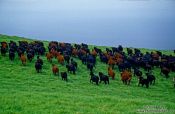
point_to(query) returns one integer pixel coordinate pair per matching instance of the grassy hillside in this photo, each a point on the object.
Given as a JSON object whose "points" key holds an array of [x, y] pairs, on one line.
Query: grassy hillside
{"points": [[24, 91]]}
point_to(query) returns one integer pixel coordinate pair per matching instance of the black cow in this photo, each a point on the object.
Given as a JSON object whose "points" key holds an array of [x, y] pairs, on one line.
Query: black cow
{"points": [[103, 78], [151, 78], [124, 66], [120, 48], [143, 82], [20, 51], [90, 66], [147, 67], [3, 51], [67, 58], [39, 60], [11, 55], [103, 58], [91, 59], [129, 51], [121, 67], [83, 58], [13, 45], [94, 78], [156, 63], [74, 63], [40, 50], [30, 56], [38, 64], [137, 52], [99, 51], [64, 76], [71, 68], [165, 71], [137, 72], [38, 67]]}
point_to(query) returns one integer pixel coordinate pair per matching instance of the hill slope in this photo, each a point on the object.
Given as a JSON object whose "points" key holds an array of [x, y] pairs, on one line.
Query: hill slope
{"points": [[22, 90]]}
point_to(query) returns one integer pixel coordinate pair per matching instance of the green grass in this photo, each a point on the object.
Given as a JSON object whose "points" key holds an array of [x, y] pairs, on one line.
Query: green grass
{"points": [[24, 91]]}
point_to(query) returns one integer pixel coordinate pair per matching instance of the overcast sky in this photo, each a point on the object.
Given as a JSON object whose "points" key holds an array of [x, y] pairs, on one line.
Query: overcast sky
{"points": [[132, 23]]}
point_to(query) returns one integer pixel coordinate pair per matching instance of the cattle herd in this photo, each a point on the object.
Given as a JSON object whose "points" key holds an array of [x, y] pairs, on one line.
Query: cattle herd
{"points": [[128, 63]]}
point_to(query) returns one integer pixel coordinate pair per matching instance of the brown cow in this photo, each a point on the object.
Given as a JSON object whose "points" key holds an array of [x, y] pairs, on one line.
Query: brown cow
{"points": [[4, 44], [57, 54], [94, 53], [111, 62], [60, 59], [118, 55], [83, 52], [119, 61], [53, 52], [74, 52], [126, 77], [4, 48], [111, 73], [49, 56], [23, 59], [55, 69]]}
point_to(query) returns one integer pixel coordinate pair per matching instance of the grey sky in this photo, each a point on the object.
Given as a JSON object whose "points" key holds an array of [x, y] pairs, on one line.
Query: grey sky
{"points": [[132, 23]]}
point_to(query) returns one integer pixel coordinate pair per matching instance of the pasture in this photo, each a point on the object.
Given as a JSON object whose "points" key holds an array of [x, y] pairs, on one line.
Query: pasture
{"points": [[24, 91]]}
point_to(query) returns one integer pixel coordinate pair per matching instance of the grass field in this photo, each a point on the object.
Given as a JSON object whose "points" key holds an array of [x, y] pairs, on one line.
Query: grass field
{"points": [[23, 91]]}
